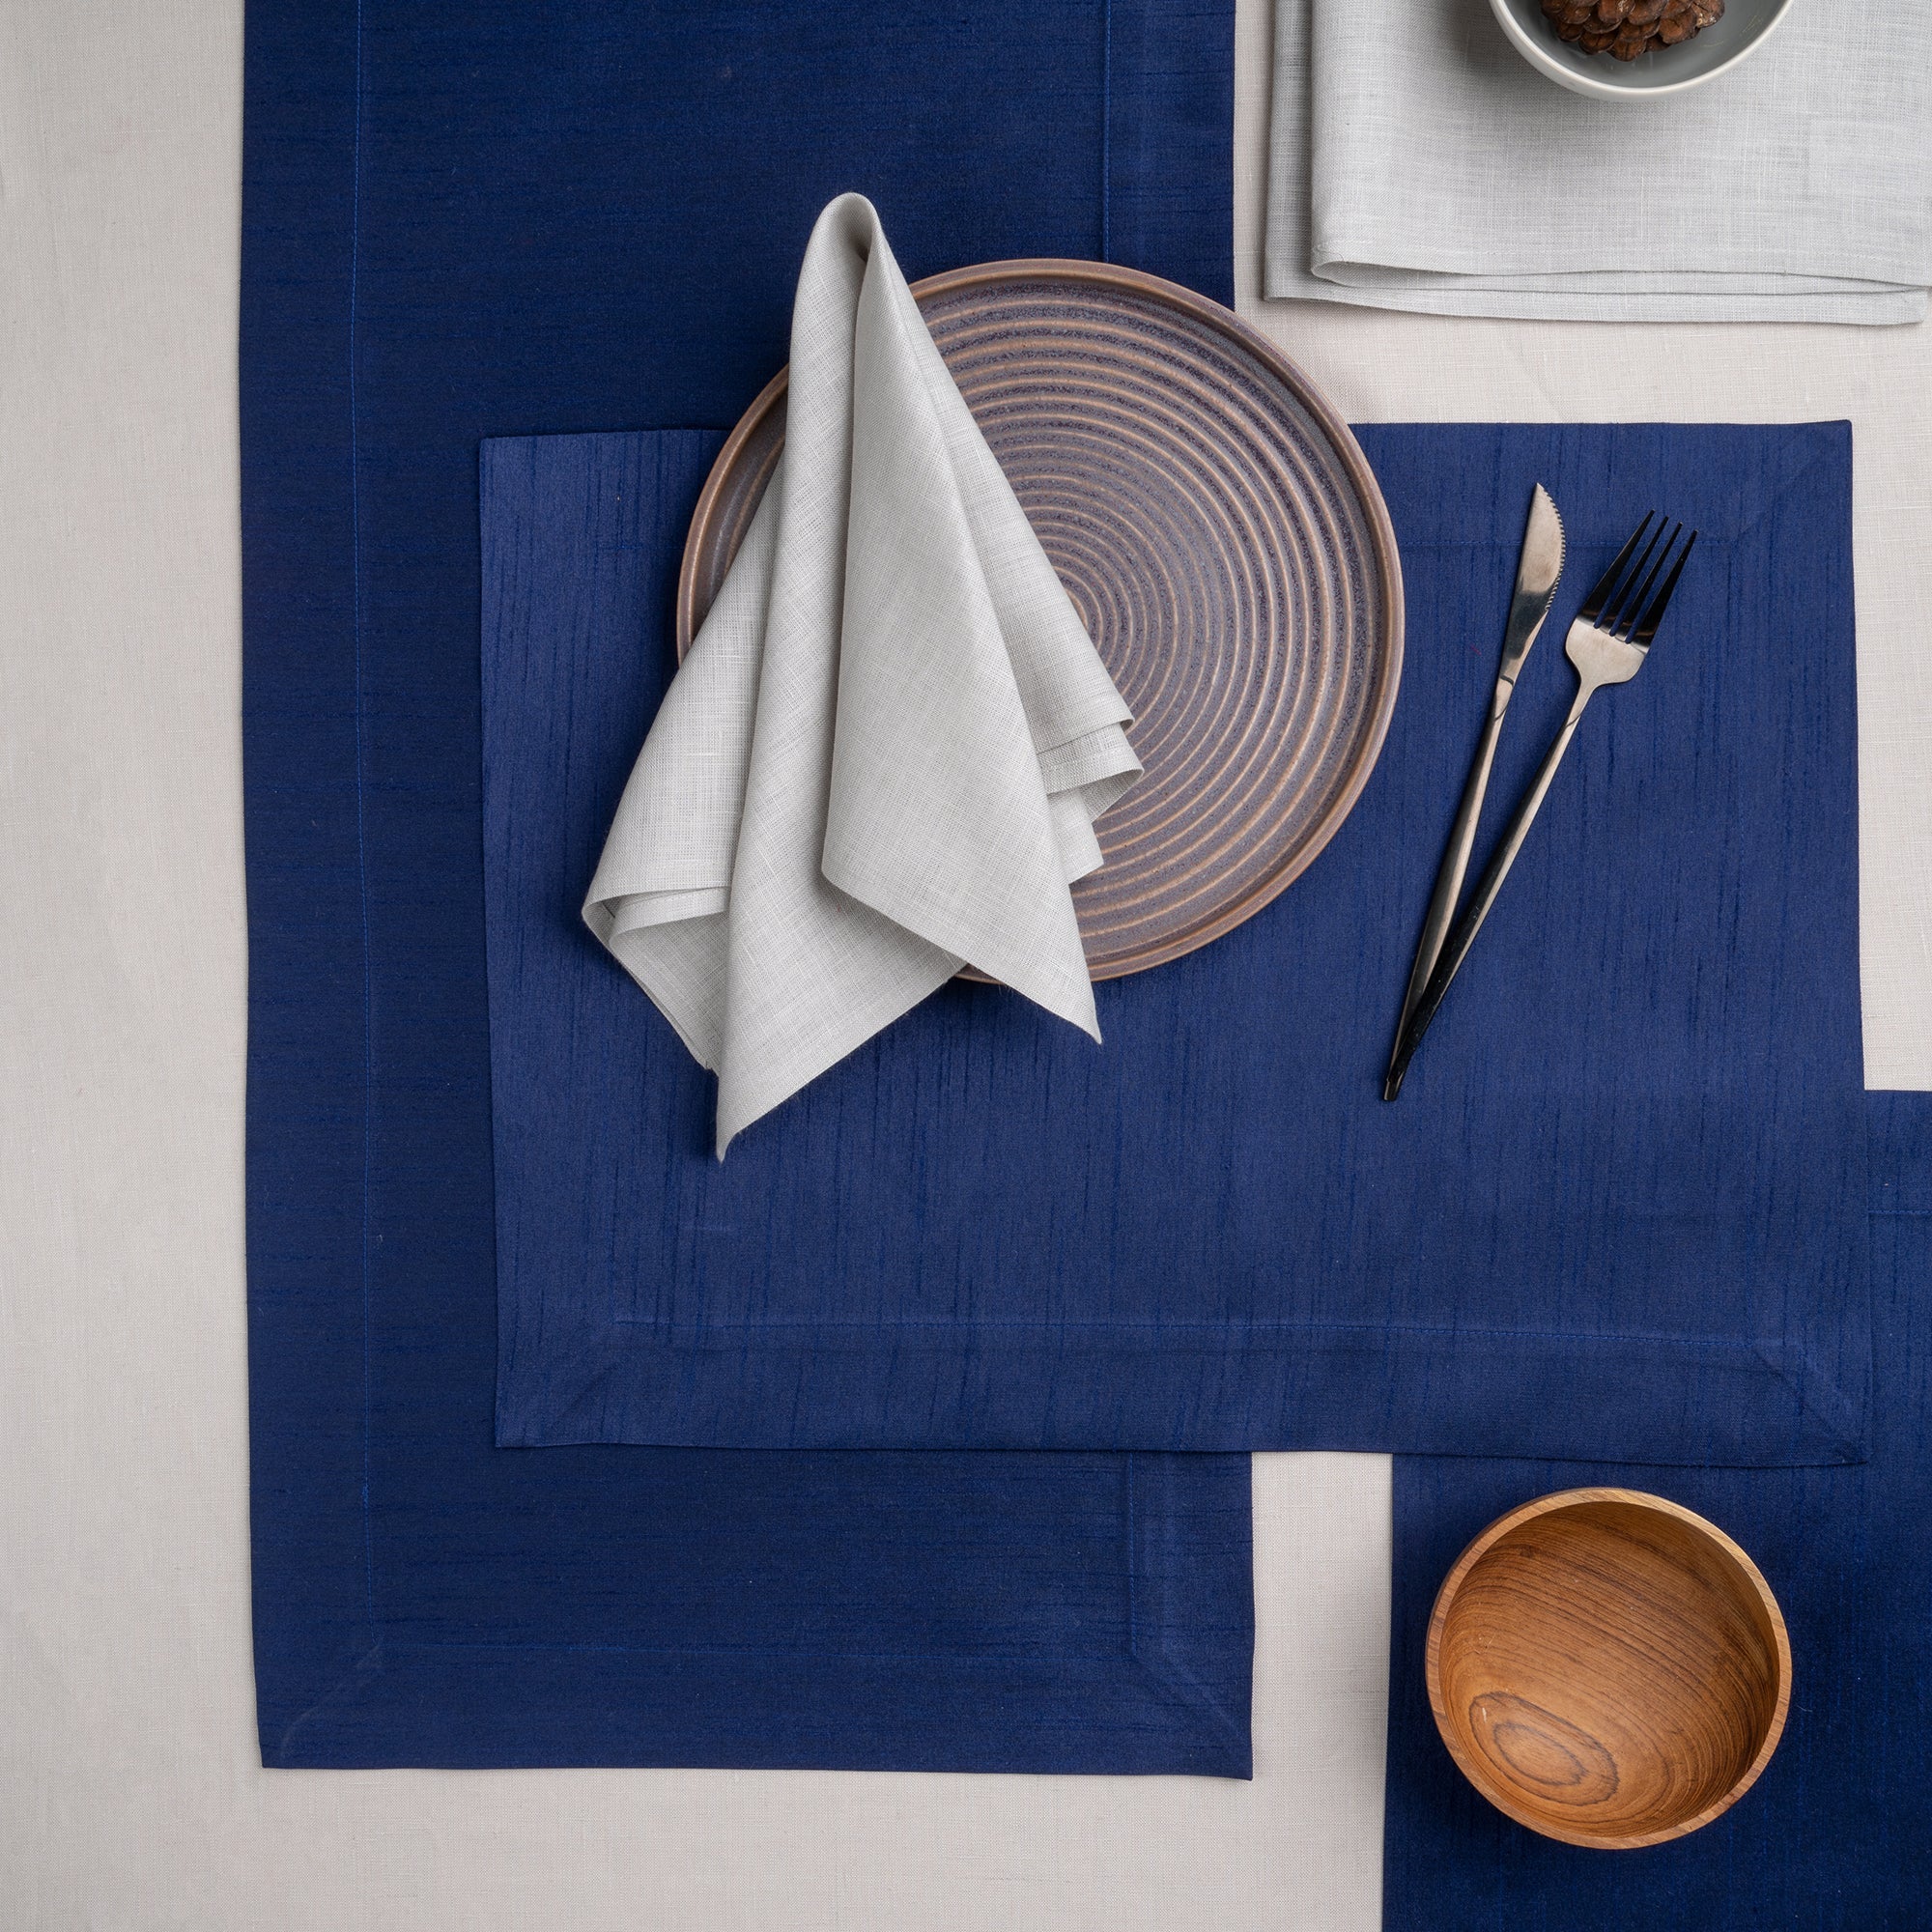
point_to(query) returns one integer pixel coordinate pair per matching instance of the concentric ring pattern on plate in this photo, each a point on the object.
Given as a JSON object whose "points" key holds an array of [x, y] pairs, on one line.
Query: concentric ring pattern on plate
{"points": [[1225, 543]]}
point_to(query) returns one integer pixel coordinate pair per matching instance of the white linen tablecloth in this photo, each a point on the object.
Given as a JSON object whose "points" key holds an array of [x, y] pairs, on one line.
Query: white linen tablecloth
{"points": [[130, 1792]]}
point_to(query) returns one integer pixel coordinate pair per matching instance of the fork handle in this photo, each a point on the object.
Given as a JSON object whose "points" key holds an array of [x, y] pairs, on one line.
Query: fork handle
{"points": [[1456, 948]]}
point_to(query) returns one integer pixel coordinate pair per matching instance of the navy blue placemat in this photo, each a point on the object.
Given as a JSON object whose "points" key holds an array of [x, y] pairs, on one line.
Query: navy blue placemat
{"points": [[1837, 1835], [1617, 1210], [462, 219]]}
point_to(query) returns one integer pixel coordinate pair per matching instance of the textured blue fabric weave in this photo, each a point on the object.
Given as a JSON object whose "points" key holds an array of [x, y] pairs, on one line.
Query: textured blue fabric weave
{"points": [[1616, 1211], [1837, 1835], [464, 219]]}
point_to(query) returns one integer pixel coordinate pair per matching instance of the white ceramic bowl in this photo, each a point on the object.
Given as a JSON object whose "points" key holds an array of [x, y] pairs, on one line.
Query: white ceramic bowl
{"points": [[1745, 28]]}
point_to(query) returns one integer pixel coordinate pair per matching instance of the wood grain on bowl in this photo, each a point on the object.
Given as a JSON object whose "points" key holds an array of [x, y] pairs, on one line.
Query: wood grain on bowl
{"points": [[1223, 540], [1608, 1668]]}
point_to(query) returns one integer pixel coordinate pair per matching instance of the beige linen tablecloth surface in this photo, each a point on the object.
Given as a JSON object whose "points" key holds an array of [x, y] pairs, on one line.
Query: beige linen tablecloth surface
{"points": [[131, 1793]]}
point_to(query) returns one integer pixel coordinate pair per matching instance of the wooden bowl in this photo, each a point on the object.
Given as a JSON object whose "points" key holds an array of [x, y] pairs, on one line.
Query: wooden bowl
{"points": [[1608, 1668]]}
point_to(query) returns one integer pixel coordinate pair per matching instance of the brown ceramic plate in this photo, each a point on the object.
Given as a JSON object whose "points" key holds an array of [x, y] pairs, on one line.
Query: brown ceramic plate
{"points": [[1225, 542]]}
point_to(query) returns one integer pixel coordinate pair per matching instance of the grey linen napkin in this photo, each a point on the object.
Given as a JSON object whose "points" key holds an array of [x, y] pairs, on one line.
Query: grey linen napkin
{"points": [[883, 754], [1417, 162]]}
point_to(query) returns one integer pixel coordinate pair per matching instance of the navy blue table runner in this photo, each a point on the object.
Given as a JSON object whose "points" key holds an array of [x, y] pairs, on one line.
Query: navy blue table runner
{"points": [[1617, 1210], [462, 220], [1837, 1835]]}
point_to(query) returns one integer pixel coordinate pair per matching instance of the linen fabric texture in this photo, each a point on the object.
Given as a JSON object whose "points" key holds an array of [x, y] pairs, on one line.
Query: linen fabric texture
{"points": [[1836, 1833], [440, 243], [1417, 162], [1617, 1210], [885, 754]]}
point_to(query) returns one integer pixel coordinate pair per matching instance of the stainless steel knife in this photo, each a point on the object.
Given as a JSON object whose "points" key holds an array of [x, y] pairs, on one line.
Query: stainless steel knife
{"points": [[1538, 568]]}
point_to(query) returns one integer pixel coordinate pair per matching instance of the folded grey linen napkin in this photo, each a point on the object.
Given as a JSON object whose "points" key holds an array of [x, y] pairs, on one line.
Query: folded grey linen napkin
{"points": [[1417, 162], [885, 751]]}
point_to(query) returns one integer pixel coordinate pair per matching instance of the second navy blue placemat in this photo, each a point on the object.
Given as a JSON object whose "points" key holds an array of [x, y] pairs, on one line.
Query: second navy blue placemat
{"points": [[1618, 1209], [463, 219], [1837, 1835]]}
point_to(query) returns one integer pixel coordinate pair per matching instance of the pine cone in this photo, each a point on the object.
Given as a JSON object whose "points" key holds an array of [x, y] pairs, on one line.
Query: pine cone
{"points": [[1626, 28]]}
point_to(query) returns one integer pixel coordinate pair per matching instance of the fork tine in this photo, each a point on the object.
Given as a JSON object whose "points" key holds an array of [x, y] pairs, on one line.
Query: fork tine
{"points": [[1647, 629], [1635, 587], [1594, 602], [1634, 595]]}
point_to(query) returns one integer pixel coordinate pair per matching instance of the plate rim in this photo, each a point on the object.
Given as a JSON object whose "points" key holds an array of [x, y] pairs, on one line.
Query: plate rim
{"points": [[1205, 310]]}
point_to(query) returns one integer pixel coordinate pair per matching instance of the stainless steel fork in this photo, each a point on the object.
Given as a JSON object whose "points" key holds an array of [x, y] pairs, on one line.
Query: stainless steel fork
{"points": [[1607, 645]]}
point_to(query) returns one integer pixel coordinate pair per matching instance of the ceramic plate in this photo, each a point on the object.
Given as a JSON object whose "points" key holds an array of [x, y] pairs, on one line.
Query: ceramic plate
{"points": [[1223, 540]]}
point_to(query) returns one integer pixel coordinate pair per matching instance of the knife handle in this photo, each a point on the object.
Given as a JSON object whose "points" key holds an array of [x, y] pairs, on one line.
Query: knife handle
{"points": [[1455, 864], [1485, 897]]}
